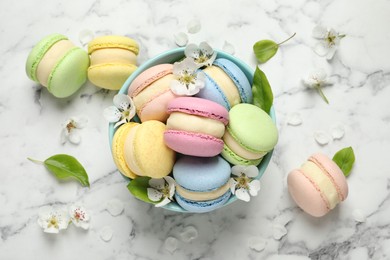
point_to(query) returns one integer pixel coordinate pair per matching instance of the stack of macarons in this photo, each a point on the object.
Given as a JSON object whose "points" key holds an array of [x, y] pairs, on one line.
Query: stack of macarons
{"points": [[63, 68], [203, 136]]}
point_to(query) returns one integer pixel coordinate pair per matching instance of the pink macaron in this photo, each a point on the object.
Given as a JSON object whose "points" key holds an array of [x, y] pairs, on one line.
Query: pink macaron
{"points": [[151, 92], [195, 126], [318, 185]]}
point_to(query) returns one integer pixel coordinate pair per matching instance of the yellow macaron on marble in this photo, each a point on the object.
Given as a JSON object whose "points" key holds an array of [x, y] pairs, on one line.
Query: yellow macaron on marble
{"points": [[113, 60]]}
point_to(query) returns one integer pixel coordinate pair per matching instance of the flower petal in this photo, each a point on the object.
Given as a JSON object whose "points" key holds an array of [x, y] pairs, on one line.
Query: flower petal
{"points": [[319, 32], [123, 121], [122, 101], [254, 187], [232, 185], [321, 49], [191, 51], [331, 53], [154, 195], [251, 171], [164, 202], [237, 170], [112, 114], [74, 137], [157, 183], [80, 122], [64, 135], [242, 194], [177, 88]]}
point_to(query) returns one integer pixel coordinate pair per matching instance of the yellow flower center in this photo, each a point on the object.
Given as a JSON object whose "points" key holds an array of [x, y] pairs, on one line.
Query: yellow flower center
{"points": [[331, 39], [53, 222], [243, 181], [70, 126]]}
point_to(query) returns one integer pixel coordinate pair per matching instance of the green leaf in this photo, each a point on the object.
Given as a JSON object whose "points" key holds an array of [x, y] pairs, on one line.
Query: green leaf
{"points": [[139, 188], [265, 50], [64, 166], [262, 92], [345, 159]]}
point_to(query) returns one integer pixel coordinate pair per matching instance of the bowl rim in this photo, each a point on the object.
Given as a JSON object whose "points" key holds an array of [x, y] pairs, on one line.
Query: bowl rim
{"points": [[249, 72]]}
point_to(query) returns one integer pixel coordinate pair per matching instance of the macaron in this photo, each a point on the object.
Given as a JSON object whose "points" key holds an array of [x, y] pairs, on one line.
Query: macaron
{"points": [[57, 64], [250, 135], [202, 184], [195, 126], [318, 185], [226, 84], [151, 92], [113, 60], [139, 150]]}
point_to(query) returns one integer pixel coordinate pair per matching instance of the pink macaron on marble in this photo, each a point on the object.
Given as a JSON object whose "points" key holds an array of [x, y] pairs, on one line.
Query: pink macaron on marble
{"points": [[195, 126], [318, 185]]}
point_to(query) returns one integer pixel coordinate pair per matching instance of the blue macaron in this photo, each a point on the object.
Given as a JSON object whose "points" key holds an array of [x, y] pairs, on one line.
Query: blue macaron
{"points": [[202, 183]]}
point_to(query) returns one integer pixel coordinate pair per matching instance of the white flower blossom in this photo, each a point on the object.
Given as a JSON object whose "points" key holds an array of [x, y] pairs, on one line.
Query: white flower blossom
{"points": [[53, 220], [203, 55], [122, 111], [318, 79], [71, 128], [188, 80], [79, 216], [329, 40], [244, 183], [161, 190]]}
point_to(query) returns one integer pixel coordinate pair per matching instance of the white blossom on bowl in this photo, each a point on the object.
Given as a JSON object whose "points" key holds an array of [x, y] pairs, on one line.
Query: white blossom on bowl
{"points": [[52, 220], [161, 190], [244, 184], [121, 112], [79, 216], [328, 43], [70, 129], [188, 80], [318, 79], [203, 55]]}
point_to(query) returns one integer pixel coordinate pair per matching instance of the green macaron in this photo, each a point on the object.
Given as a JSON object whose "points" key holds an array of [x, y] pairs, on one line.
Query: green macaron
{"points": [[57, 64], [250, 135]]}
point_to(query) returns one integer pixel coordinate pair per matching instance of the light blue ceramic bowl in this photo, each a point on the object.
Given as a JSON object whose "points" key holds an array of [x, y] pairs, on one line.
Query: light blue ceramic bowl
{"points": [[170, 57]]}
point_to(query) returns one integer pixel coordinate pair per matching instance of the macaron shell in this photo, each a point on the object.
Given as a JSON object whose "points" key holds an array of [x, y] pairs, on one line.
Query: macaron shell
{"points": [[39, 51], [334, 172], [238, 77], [69, 74], [117, 149], [202, 206], [113, 41], [306, 194], [252, 128], [195, 144], [156, 108], [110, 75], [235, 159]]}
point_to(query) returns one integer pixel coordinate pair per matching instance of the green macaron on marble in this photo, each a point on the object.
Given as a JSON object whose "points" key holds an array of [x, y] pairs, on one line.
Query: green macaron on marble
{"points": [[56, 63], [250, 135]]}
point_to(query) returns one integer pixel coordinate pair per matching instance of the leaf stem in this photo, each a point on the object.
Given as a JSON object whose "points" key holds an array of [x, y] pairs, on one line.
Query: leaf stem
{"points": [[35, 161], [322, 94], [289, 38]]}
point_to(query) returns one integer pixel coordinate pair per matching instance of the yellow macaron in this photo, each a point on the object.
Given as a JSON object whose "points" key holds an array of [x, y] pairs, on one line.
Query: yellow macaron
{"points": [[113, 60]]}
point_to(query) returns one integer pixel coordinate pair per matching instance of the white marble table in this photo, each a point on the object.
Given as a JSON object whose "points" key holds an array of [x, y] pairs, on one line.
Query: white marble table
{"points": [[359, 102]]}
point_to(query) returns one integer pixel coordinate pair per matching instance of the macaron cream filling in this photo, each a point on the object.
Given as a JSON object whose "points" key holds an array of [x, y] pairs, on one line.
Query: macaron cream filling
{"points": [[50, 60], [113, 55], [240, 150], [202, 195], [130, 155]]}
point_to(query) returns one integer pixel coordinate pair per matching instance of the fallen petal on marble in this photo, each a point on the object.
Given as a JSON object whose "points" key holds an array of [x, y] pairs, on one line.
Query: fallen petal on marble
{"points": [[359, 216], [181, 39], [193, 26], [294, 119], [106, 233], [279, 231], [228, 47], [170, 244], [115, 207], [85, 36], [321, 137], [257, 244], [188, 234], [338, 132]]}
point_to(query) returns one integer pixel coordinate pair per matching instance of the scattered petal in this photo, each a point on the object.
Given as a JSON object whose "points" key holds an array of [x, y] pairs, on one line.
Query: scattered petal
{"points": [[188, 234], [338, 132], [170, 244], [229, 48], [79, 216], [321, 137], [181, 39], [243, 194], [85, 36], [257, 244], [279, 231], [294, 119], [106, 233], [193, 26], [115, 207], [358, 216]]}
